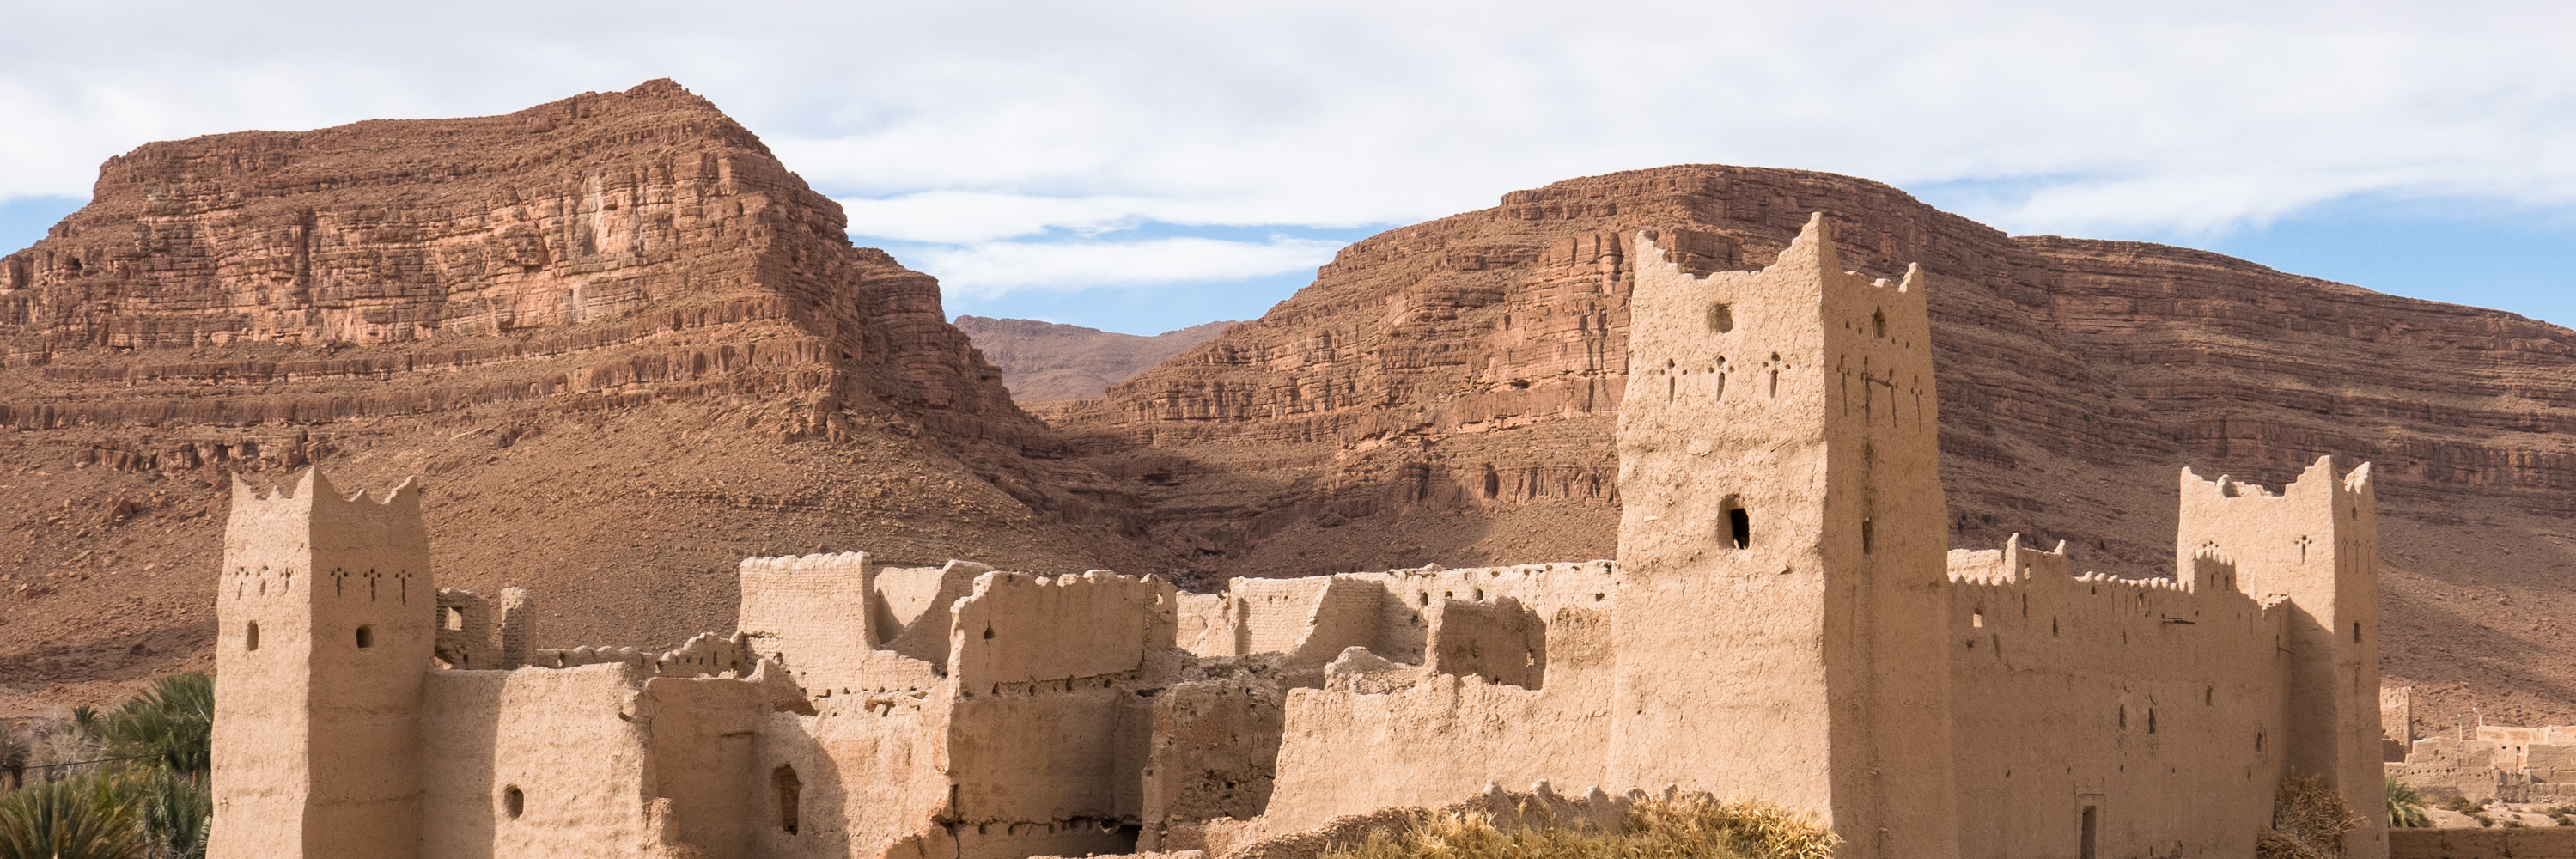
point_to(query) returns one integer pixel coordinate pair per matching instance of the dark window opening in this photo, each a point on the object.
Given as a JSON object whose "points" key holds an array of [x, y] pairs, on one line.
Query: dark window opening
{"points": [[1867, 547], [1721, 318], [1739, 525], [1878, 324], [2092, 825], [789, 791], [250, 639], [513, 802], [2151, 720], [2124, 717], [2356, 632], [366, 637]]}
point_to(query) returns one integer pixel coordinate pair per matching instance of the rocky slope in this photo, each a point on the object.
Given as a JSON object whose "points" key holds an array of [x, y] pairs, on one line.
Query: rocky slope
{"points": [[1446, 392], [1048, 361], [623, 343]]}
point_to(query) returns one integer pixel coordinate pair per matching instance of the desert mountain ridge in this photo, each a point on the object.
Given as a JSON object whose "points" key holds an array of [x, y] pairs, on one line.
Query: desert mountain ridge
{"points": [[1047, 361], [627, 347]]}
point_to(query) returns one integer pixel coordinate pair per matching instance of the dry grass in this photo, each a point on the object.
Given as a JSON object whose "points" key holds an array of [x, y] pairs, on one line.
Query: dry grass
{"points": [[2309, 820], [1682, 826]]}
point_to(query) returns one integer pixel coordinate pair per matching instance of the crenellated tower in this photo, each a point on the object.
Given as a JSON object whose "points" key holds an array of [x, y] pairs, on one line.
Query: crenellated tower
{"points": [[1782, 547], [325, 622], [2317, 542]]}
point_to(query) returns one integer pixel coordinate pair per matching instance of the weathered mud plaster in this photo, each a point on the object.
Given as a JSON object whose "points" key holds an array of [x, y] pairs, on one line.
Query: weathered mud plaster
{"points": [[1785, 621]]}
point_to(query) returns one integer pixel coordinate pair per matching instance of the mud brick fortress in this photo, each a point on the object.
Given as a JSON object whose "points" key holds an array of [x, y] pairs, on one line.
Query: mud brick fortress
{"points": [[1785, 621]]}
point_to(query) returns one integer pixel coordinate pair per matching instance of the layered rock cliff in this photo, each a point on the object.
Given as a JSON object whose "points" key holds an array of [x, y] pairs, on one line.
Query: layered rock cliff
{"points": [[1446, 392], [624, 343]]}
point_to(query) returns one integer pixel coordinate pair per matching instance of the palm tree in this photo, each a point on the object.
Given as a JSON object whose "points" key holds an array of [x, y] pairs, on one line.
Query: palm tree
{"points": [[13, 758], [171, 724], [178, 809], [91, 817], [2405, 806]]}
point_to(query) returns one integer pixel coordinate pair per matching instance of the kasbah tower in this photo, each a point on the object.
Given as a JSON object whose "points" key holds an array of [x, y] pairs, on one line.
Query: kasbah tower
{"points": [[1781, 627], [326, 608], [1791, 619]]}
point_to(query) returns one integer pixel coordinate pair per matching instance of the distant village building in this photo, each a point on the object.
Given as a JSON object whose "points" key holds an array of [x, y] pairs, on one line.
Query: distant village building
{"points": [[1785, 621], [2498, 762]]}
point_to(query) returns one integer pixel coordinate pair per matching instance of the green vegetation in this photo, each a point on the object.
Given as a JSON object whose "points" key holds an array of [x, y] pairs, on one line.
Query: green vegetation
{"points": [[126, 784], [2405, 806], [1685, 826], [77, 818]]}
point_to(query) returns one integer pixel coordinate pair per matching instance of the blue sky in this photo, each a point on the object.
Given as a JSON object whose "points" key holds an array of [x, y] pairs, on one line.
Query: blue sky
{"points": [[1145, 166]]}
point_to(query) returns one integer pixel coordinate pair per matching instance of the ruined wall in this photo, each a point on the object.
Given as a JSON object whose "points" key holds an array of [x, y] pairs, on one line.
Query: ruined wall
{"points": [[1441, 736], [2396, 722], [532, 762], [1310, 618], [1501, 642], [1049, 732], [809, 613], [464, 634], [1315, 617], [1213, 751], [817, 614], [925, 635], [870, 779], [1541, 588], [699, 738], [2543, 843], [2151, 711], [703, 654], [1061, 628]]}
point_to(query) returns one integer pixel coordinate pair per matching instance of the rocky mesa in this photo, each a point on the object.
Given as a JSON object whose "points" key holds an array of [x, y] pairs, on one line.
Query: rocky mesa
{"points": [[626, 345]]}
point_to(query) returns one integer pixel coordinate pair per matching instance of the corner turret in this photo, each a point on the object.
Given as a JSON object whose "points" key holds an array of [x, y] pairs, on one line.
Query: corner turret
{"points": [[2317, 542]]}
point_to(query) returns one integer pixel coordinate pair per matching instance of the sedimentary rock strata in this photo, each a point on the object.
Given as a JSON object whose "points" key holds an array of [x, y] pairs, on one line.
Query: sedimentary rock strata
{"points": [[625, 344]]}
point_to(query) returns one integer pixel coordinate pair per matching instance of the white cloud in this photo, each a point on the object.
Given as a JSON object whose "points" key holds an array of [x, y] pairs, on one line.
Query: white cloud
{"points": [[991, 268], [969, 123]]}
